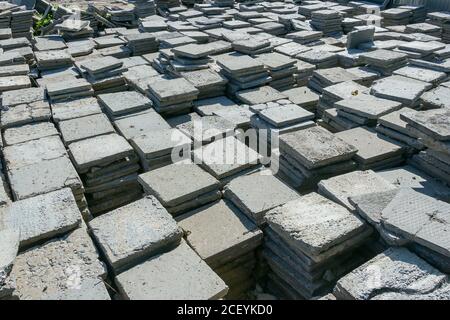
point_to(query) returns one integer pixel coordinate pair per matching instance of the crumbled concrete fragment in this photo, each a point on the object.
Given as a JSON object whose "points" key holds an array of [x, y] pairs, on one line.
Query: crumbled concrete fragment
{"points": [[396, 270]]}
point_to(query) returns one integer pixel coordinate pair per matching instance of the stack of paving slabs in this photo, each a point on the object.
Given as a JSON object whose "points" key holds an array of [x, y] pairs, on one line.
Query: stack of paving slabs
{"points": [[327, 21], [158, 148], [305, 36], [426, 28], [435, 98], [21, 23], [242, 71], [281, 69], [327, 77], [385, 61], [14, 83], [395, 17], [173, 96], [402, 89], [252, 46], [307, 10], [303, 73], [418, 13], [26, 113], [42, 218], [356, 183], [309, 155], [273, 28], [37, 163], [276, 118], [162, 276], [133, 233], [226, 159], [208, 82], [108, 166], [32, 284], [446, 32], [422, 74], [104, 73], [257, 193], [421, 50], [337, 92], [303, 97], [181, 187], [69, 88], [432, 127], [142, 43], [144, 8], [204, 130], [152, 24], [78, 108], [320, 58], [401, 275], [73, 29], [191, 57], [407, 216], [348, 24], [364, 109], [53, 59], [374, 151], [78, 129], [226, 240], [310, 243], [122, 104], [122, 15], [140, 123], [392, 126]]}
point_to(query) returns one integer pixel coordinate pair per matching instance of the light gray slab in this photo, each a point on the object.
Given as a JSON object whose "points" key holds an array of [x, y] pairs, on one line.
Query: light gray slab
{"points": [[177, 274]]}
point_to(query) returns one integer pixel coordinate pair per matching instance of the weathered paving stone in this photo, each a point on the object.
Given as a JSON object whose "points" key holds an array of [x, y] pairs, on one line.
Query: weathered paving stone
{"points": [[99, 151], [14, 83], [135, 232], [340, 188], [207, 129], [42, 272], [16, 97], [316, 147], [411, 177], [34, 151], [396, 270], [368, 106], [133, 126], [302, 96], [257, 193], [121, 103], [178, 183], [29, 132], [435, 123], [25, 113], [44, 177], [219, 233], [42, 217], [177, 274], [315, 225], [9, 246], [226, 157], [419, 218], [260, 95], [207, 107], [286, 115], [75, 109], [86, 127], [371, 148], [436, 98]]}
